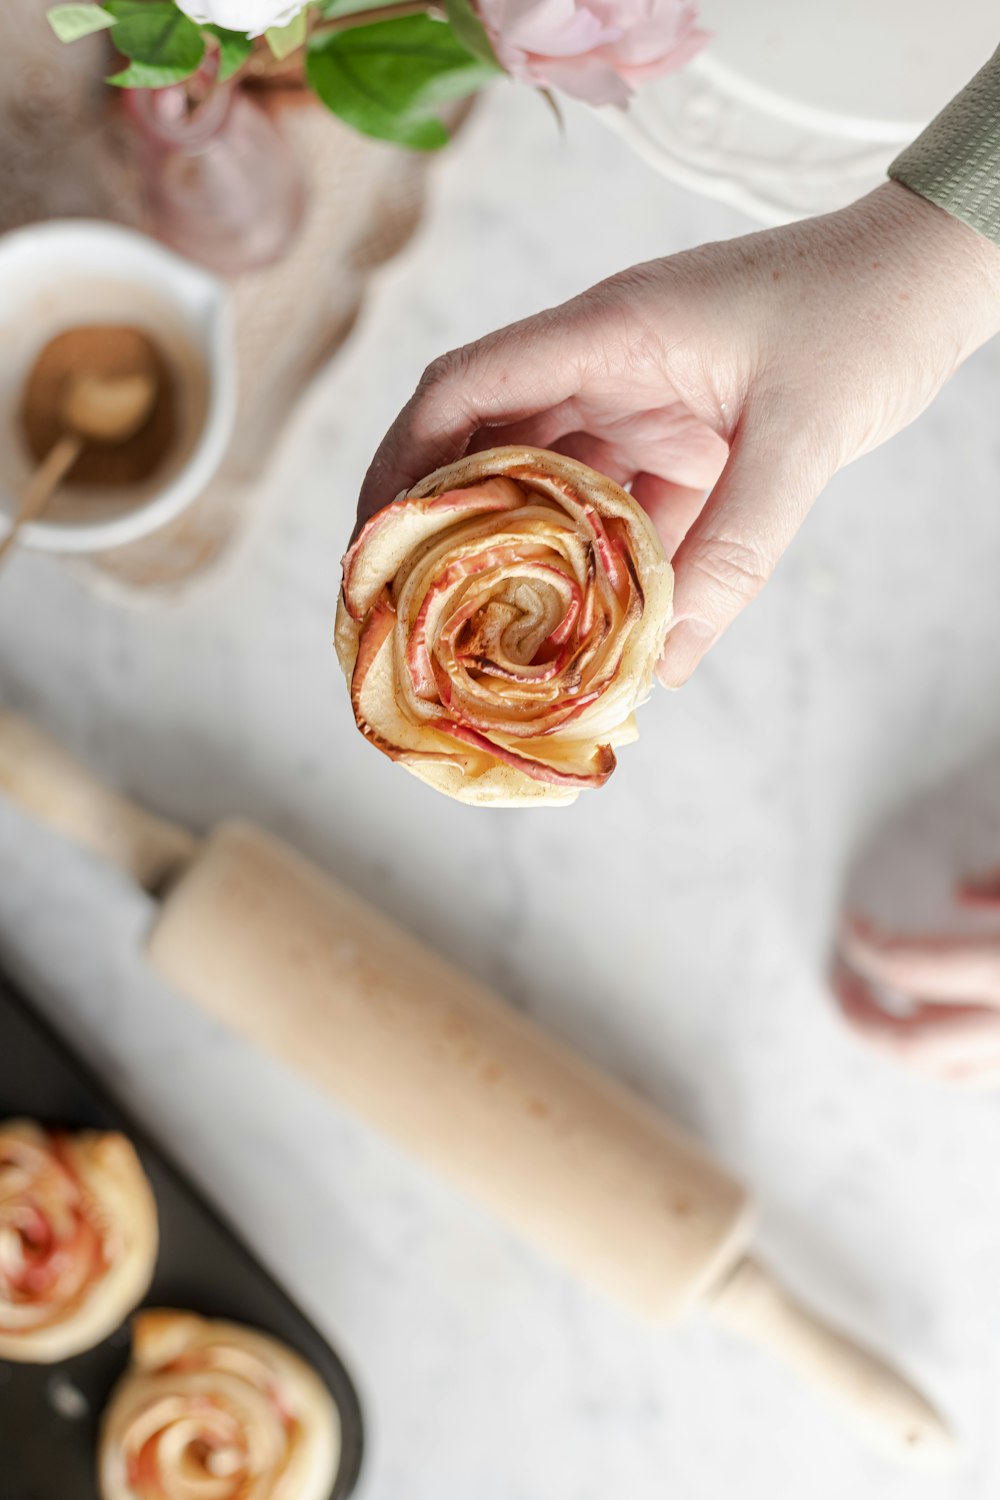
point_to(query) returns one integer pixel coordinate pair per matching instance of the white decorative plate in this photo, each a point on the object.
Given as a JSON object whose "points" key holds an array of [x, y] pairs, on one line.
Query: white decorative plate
{"points": [[797, 106]]}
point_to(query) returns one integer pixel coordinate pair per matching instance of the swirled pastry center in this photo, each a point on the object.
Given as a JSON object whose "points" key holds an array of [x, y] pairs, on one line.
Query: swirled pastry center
{"points": [[498, 635], [51, 1249]]}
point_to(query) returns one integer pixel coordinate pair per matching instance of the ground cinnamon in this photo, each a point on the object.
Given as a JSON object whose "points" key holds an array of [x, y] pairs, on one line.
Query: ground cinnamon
{"points": [[111, 352]]}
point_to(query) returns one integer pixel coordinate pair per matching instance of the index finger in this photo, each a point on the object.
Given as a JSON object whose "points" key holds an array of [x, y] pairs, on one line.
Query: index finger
{"points": [[955, 969]]}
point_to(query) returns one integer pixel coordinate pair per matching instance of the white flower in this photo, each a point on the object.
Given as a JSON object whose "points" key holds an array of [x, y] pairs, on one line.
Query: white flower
{"points": [[253, 17]]}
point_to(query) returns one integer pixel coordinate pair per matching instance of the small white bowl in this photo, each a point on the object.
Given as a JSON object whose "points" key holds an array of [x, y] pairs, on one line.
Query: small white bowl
{"points": [[67, 273]]}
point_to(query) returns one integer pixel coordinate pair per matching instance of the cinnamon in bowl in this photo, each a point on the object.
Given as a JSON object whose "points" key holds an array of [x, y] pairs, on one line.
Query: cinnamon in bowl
{"points": [[105, 352]]}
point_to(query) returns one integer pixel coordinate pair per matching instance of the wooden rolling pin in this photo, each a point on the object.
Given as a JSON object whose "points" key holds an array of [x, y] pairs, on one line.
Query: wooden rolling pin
{"points": [[583, 1169]]}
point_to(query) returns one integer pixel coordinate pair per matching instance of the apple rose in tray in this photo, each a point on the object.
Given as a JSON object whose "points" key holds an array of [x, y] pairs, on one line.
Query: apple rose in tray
{"points": [[78, 1239], [216, 1411], [499, 624]]}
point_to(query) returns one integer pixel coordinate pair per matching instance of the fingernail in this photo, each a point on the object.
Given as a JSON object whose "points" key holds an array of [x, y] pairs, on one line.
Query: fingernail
{"points": [[685, 646]]}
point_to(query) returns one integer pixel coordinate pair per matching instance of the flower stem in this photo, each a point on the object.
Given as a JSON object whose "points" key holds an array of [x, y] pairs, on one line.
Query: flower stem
{"points": [[380, 13]]}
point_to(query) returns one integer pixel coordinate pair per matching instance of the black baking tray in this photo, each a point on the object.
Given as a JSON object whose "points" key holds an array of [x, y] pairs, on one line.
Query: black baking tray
{"points": [[49, 1414]]}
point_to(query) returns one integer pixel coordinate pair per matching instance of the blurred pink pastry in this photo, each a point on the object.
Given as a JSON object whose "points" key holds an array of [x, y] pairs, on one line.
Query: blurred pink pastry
{"points": [[216, 1411], [78, 1239]]}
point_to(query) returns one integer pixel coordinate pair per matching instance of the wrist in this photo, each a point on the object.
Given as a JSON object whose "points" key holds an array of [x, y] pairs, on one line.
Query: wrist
{"points": [[941, 262]]}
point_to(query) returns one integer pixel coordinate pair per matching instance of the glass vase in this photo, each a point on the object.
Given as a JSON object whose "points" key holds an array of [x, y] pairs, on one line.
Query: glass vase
{"points": [[219, 183]]}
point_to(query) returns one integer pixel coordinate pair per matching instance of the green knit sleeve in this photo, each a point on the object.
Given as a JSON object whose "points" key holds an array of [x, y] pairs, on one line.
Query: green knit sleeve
{"points": [[956, 161]]}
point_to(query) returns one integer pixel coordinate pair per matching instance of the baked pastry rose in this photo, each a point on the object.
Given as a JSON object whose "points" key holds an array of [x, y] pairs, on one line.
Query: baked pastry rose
{"points": [[216, 1411], [78, 1239], [499, 624]]}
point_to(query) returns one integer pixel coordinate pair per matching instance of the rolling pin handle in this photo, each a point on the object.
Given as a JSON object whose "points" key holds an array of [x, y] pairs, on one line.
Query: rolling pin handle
{"points": [[48, 784], [881, 1405]]}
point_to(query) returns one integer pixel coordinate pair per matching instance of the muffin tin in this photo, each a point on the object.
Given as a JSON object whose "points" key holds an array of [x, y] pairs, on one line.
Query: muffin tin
{"points": [[49, 1414]]}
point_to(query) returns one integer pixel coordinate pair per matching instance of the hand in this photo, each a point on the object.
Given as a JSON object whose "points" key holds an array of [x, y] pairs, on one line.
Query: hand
{"points": [[950, 986], [753, 369]]}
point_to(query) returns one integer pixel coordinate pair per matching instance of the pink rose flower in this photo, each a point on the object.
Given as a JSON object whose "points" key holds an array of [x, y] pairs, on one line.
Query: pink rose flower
{"points": [[595, 50]]}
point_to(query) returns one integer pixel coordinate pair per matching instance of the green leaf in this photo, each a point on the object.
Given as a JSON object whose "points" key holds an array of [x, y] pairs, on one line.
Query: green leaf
{"points": [[284, 40], [234, 49], [470, 30], [70, 22], [163, 45], [387, 79], [140, 75]]}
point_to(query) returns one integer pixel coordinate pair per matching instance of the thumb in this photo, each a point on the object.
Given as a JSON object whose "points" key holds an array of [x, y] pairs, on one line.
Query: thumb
{"points": [[506, 377], [760, 500]]}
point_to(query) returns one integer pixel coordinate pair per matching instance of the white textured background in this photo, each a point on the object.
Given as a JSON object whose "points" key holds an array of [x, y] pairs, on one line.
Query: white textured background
{"points": [[867, 674]]}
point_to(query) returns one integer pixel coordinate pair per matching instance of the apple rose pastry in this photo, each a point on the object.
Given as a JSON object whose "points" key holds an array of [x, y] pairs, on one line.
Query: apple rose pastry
{"points": [[499, 624], [216, 1411], [78, 1239]]}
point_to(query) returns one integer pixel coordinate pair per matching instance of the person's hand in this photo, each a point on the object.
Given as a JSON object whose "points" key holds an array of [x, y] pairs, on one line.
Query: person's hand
{"points": [[929, 1001], [753, 369]]}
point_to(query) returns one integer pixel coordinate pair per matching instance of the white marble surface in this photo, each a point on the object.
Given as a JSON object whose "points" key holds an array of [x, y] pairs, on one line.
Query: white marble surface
{"points": [[867, 673]]}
